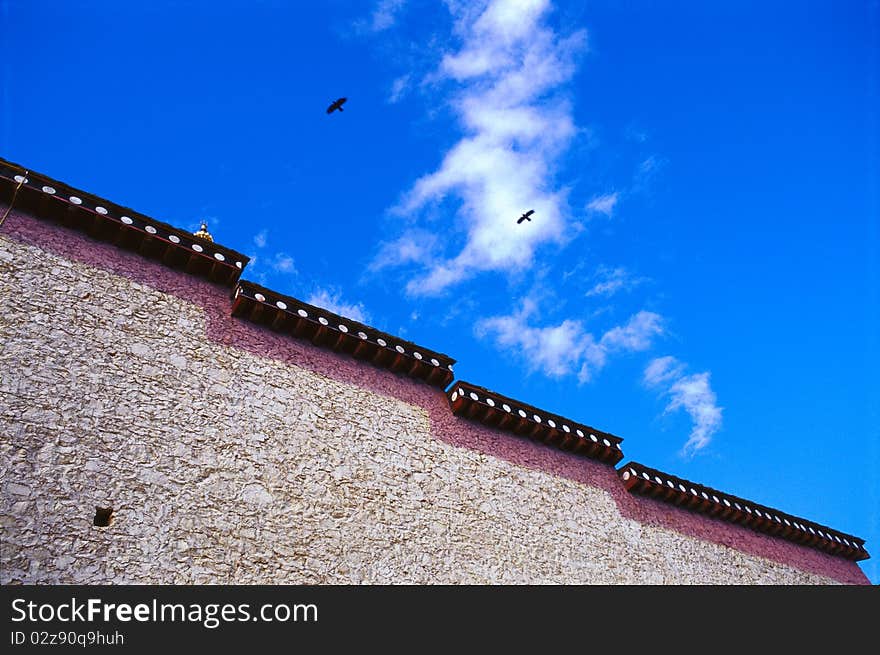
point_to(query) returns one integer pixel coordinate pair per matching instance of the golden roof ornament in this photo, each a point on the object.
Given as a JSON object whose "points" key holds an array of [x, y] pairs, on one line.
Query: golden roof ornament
{"points": [[203, 232]]}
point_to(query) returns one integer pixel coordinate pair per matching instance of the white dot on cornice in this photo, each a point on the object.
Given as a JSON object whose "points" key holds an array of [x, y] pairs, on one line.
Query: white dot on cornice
{"points": [[693, 491], [594, 438], [238, 264], [417, 354], [76, 200], [580, 434], [658, 480], [738, 506], [128, 221], [646, 476], [682, 488], [454, 396], [551, 423], [704, 495], [219, 257], [302, 313], [173, 238], [48, 189], [150, 229], [260, 297], [362, 335], [606, 442], [565, 428], [461, 391], [626, 475], [473, 396], [490, 402], [399, 349], [449, 367], [537, 418], [21, 179], [342, 328], [281, 304], [435, 362], [197, 247], [670, 484], [101, 210], [521, 413], [381, 342], [715, 498], [506, 407], [323, 321], [727, 502]]}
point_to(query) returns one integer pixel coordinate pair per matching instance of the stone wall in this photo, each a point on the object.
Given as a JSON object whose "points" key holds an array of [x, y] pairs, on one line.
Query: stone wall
{"points": [[232, 454]]}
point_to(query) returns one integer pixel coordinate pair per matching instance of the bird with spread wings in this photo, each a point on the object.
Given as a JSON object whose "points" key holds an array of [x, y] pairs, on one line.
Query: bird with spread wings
{"points": [[526, 216], [337, 104]]}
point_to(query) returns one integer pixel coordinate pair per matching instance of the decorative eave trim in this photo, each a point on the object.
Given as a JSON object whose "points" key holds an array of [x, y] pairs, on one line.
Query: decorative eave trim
{"points": [[323, 328], [502, 413], [101, 219], [705, 500]]}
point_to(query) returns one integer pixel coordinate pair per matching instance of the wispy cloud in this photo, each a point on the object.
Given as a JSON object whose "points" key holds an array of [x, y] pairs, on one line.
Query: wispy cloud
{"points": [[508, 73], [603, 204], [398, 88], [693, 393], [567, 348], [385, 14], [609, 281], [282, 263], [260, 238], [332, 301], [415, 246]]}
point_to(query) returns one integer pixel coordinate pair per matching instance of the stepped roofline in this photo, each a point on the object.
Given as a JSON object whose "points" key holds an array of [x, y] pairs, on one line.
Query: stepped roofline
{"points": [[645, 481], [49, 199]]}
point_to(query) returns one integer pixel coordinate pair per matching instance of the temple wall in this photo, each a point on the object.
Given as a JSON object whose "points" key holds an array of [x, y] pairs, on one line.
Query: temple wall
{"points": [[232, 454]]}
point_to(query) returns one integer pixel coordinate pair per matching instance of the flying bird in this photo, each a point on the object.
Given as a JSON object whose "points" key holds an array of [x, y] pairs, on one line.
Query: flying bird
{"points": [[526, 216], [337, 104]]}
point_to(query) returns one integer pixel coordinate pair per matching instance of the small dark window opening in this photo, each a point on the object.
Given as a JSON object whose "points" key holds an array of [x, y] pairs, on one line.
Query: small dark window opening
{"points": [[102, 516]]}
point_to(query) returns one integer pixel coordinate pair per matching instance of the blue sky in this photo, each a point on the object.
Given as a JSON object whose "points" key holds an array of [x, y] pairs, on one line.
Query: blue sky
{"points": [[700, 276]]}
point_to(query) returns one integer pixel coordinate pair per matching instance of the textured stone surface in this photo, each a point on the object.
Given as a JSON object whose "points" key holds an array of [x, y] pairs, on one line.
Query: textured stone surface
{"points": [[231, 454]]}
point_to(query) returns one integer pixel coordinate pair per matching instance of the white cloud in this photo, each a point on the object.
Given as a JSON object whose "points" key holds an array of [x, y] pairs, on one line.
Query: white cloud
{"points": [[385, 14], [415, 246], [260, 238], [282, 263], [398, 88], [332, 301], [611, 280], [663, 369], [636, 335], [692, 393], [509, 69], [603, 204], [567, 348]]}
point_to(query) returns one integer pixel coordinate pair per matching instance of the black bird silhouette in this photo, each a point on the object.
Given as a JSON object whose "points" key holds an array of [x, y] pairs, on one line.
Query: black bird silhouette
{"points": [[526, 216], [337, 104]]}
